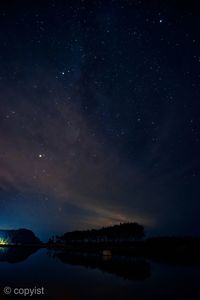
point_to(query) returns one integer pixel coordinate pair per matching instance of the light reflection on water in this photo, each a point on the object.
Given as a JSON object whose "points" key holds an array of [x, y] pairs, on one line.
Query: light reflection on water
{"points": [[76, 276], [3, 250]]}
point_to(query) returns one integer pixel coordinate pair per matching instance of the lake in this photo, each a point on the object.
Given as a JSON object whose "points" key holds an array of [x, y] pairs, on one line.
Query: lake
{"points": [[77, 276]]}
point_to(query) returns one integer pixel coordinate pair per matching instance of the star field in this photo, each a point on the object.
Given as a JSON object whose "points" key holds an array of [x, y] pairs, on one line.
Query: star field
{"points": [[99, 115]]}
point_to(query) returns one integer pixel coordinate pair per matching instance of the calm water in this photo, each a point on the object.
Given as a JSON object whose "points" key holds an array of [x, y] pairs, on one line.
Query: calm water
{"points": [[73, 277]]}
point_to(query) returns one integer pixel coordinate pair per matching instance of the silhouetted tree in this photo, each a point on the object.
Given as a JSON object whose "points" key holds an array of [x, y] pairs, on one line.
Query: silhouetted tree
{"points": [[123, 231]]}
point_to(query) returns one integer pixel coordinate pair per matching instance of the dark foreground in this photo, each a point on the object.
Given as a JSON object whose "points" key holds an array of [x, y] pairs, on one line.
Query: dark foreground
{"points": [[175, 250], [79, 275]]}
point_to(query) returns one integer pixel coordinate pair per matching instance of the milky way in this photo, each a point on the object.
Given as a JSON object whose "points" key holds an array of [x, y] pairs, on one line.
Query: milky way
{"points": [[99, 116]]}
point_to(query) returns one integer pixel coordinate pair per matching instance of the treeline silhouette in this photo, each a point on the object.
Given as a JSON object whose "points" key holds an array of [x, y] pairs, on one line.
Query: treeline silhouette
{"points": [[126, 239], [121, 232]]}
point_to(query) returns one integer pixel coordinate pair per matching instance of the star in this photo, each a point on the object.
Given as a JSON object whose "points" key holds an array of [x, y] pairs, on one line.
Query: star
{"points": [[92, 107]]}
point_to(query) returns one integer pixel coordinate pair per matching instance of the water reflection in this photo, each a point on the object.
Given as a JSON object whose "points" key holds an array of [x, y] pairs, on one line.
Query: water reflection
{"points": [[15, 254], [126, 267], [79, 276]]}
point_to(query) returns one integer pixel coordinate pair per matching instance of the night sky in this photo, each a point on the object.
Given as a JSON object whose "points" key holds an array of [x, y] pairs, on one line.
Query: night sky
{"points": [[100, 115]]}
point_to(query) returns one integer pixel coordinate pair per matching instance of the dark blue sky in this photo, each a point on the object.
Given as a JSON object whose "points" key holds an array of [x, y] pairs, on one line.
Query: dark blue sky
{"points": [[99, 115]]}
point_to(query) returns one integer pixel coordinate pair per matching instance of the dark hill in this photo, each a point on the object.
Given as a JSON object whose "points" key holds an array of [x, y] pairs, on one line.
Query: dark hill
{"points": [[20, 236]]}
